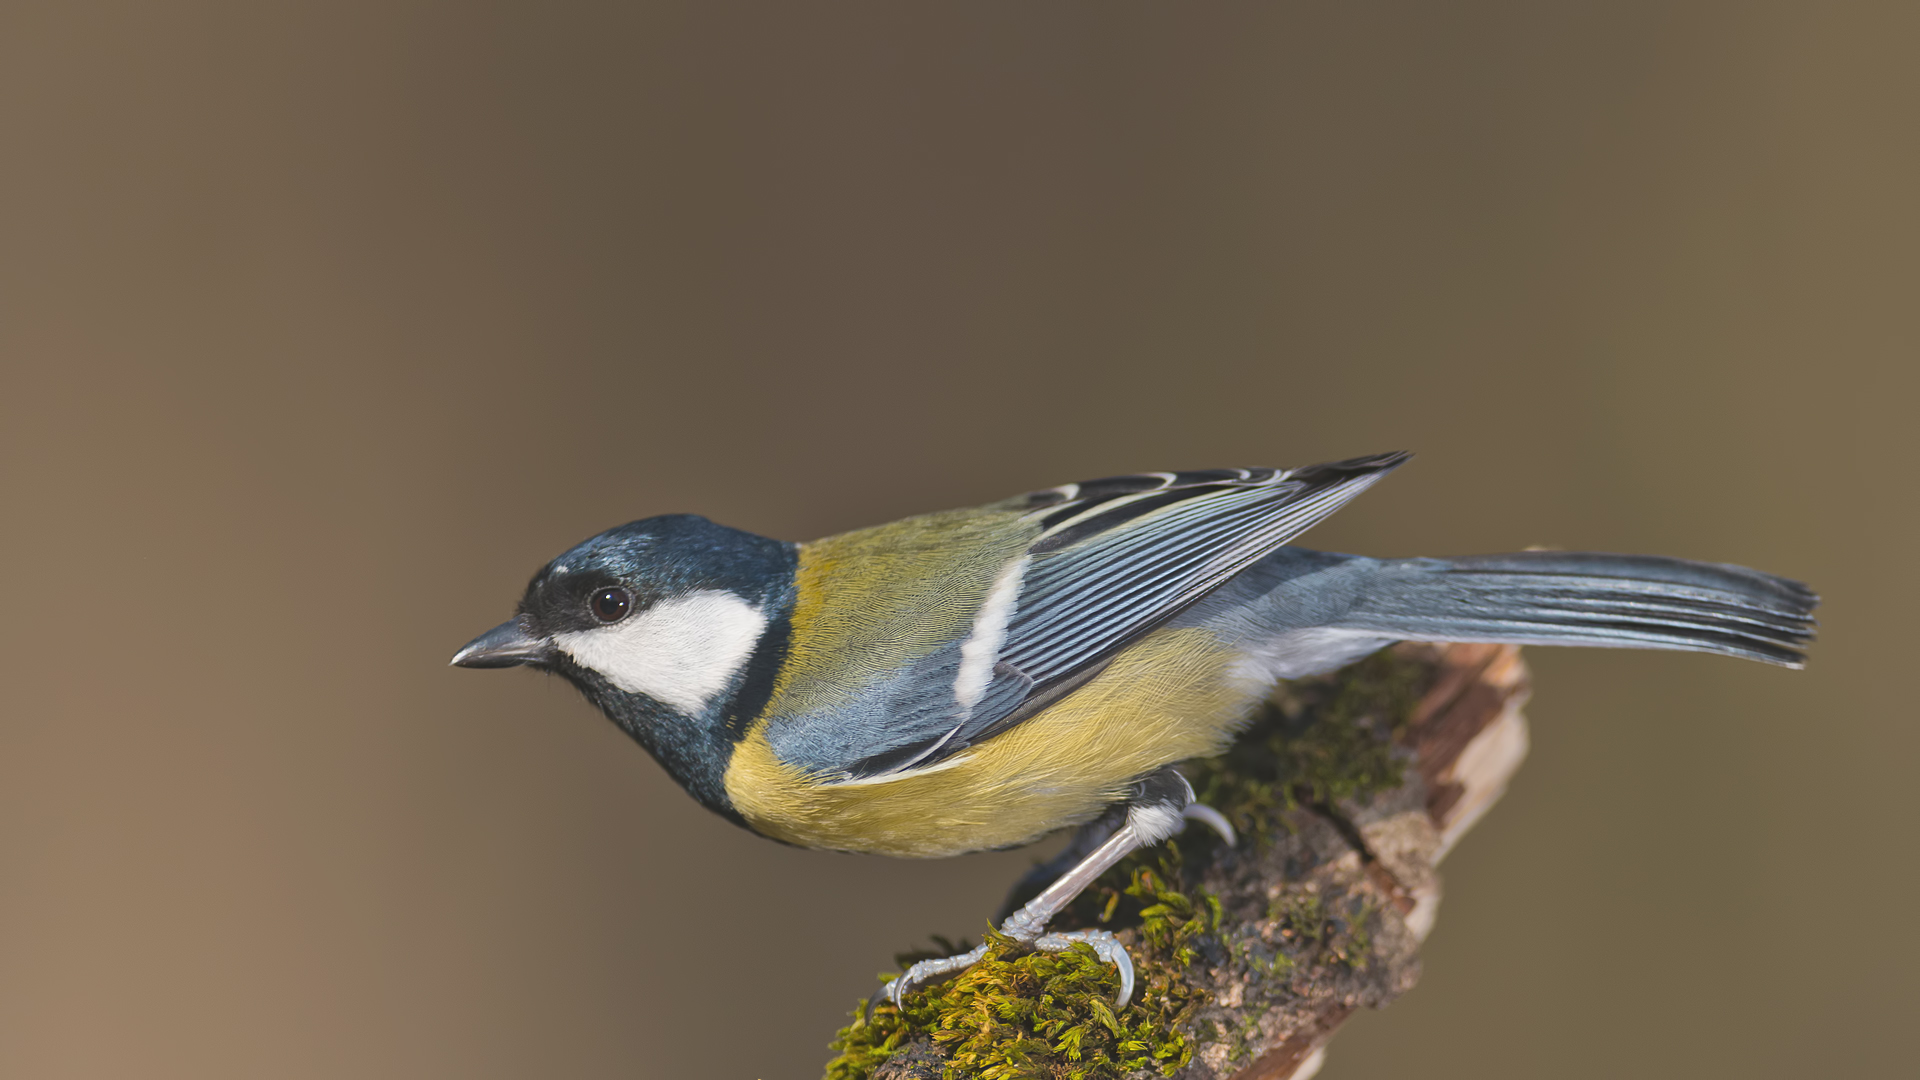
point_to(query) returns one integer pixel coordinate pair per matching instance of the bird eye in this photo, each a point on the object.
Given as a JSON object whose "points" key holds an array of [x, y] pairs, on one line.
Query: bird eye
{"points": [[610, 604]]}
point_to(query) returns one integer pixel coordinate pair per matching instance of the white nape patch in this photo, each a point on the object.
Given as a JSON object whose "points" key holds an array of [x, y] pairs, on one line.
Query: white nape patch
{"points": [[681, 651], [982, 647]]}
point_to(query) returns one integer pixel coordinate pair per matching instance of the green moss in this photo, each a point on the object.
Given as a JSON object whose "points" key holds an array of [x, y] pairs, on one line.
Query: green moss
{"points": [[1021, 1014]]}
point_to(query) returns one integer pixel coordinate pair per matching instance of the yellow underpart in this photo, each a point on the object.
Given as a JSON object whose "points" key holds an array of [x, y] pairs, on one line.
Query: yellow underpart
{"points": [[869, 602], [1169, 697]]}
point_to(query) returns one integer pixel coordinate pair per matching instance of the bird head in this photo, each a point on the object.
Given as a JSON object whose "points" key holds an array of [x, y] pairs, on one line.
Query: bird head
{"points": [[658, 622]]}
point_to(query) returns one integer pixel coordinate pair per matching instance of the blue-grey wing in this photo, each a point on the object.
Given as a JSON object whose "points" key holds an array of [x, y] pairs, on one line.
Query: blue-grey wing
{"points": [[1113, 560]]}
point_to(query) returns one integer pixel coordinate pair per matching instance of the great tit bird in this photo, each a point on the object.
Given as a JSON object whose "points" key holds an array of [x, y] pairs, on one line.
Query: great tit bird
{"points": [[979, 678]]}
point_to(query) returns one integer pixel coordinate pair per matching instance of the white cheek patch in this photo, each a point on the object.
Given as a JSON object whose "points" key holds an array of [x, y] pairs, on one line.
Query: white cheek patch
{"points": [[680, 652]]}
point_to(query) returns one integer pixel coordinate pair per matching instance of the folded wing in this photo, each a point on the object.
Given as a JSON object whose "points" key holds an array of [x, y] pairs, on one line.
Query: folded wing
{"points": [[1113, 560]]}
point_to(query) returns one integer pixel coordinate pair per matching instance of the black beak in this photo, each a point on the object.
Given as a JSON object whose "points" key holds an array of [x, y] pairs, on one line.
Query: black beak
{"points": [[506, 645]]}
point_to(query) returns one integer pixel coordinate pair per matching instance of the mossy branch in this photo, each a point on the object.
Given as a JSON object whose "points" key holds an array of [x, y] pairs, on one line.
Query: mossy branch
{"points": [[1346, 791]]}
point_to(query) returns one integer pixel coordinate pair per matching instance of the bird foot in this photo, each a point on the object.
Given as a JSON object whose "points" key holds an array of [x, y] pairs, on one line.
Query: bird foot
{"points": [[1104, 945], [1145, 824], [928, 970]]}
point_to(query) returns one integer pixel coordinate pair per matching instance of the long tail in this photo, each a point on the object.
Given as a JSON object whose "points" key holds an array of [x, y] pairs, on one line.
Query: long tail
{"points": [[1586, 598]]}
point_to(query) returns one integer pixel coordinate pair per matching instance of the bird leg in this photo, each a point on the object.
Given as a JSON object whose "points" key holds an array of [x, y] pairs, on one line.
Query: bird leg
{"points": [[1162, 807], [1082, 844]]}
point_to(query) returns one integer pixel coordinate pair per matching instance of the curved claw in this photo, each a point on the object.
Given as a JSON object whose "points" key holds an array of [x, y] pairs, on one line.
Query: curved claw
{"points": [[1105, 946], [1212, 819], [928, 970]]}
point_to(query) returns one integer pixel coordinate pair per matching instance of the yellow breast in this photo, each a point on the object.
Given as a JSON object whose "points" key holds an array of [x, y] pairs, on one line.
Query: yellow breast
{"points": [[1169, 697]]}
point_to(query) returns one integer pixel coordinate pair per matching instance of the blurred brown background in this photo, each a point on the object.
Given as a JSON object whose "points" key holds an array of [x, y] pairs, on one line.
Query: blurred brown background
{"points": [[323, 325]]}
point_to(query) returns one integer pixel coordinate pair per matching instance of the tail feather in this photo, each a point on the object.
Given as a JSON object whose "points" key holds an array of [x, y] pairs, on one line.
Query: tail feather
{"points": [[1583, 598]]}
